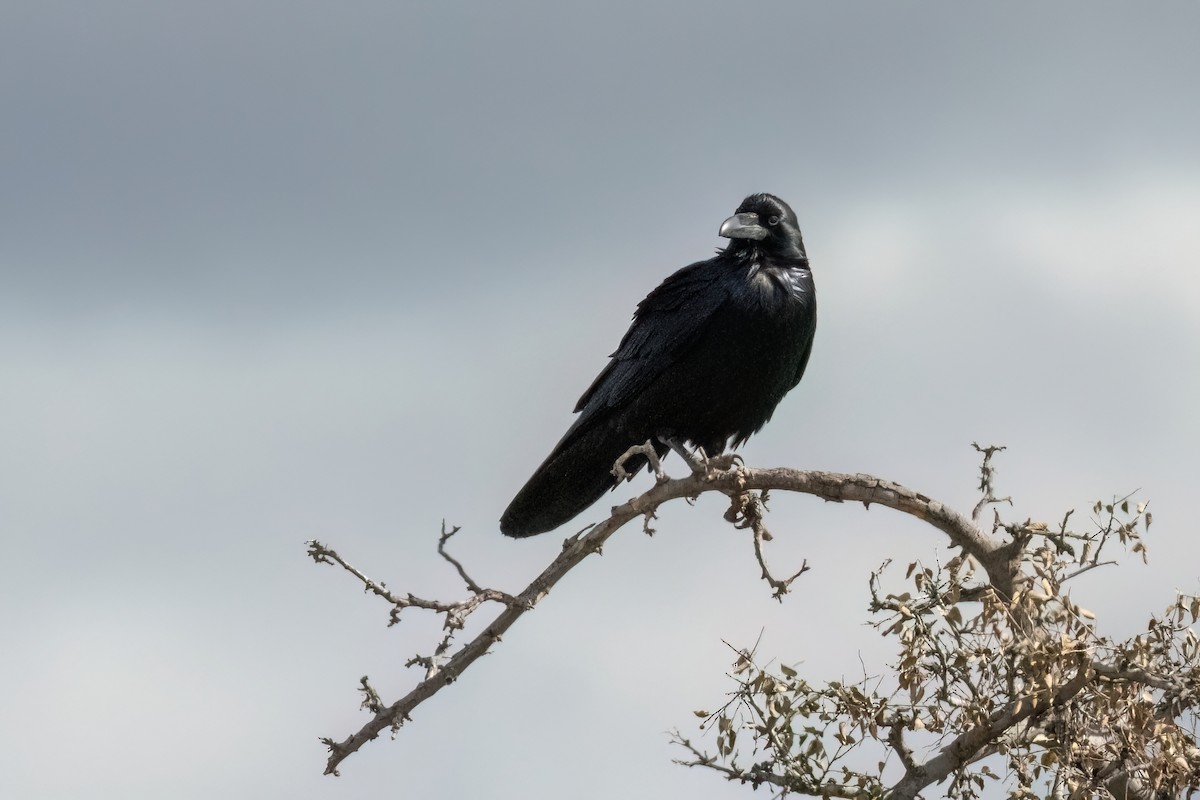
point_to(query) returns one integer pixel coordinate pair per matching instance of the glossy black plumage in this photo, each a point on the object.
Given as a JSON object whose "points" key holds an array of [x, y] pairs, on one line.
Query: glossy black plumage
{"points": [[711, 352]]}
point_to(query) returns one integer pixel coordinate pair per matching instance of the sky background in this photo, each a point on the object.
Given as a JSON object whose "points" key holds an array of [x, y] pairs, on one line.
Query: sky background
{"points": [[272, 271]]}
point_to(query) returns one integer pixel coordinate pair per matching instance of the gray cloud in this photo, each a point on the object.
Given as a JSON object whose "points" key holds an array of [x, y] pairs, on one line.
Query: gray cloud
{"points": [[271, 271]]}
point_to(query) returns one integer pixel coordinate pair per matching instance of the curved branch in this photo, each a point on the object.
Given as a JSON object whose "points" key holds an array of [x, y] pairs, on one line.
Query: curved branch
{"points": [[867, 489], [833, 486]]}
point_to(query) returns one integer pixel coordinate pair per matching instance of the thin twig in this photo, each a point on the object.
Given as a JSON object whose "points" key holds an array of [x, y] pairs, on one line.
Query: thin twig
{"points": [[746, 511], [462, 573], [987, 477]]}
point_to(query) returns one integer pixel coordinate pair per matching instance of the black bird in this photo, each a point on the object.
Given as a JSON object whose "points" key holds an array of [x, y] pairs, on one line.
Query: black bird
{"points": [[709, 355]]}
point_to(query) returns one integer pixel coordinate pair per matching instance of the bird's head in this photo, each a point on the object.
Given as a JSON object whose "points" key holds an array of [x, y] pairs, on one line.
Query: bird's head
{"points": [[766, 223]]}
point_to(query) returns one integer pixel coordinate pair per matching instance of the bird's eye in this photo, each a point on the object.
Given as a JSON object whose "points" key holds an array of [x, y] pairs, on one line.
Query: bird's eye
{"points": [[773, 220]]}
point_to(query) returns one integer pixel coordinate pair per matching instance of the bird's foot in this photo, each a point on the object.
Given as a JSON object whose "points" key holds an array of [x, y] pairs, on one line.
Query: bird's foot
{"points": [[701, 463], [697, 462], [725, 461], [651, 455]]}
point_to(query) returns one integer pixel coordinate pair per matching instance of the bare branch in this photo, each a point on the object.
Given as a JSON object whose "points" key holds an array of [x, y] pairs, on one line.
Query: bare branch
{"points": [[455, 613], [987, 477], [746, 510], [1087, 568], [462, 573], [371, 701], [733, 479]]}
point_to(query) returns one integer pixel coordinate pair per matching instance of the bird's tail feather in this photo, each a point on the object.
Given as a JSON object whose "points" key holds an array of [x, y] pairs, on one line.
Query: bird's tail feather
{"points": [[576, 474]]}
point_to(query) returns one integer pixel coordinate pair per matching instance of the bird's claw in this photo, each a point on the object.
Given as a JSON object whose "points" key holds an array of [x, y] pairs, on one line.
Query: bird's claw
{"points": [[701, 463], [725, 461], [646, 449]]}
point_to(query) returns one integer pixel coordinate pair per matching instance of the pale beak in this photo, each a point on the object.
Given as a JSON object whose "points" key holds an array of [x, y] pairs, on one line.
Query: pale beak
{"points": [[742, 226]]}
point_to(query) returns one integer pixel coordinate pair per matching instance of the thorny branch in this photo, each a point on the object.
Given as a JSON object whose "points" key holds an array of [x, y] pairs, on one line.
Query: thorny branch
{"points": [[462, 573], [724, 475], [455, 613], [987, 478]]}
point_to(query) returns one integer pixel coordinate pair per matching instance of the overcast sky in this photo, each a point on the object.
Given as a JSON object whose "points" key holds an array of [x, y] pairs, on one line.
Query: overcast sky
{"points": [[272, 271]]}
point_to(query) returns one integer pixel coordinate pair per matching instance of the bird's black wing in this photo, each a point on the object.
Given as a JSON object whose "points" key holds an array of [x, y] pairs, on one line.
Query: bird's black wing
{"points": [[665, 326], [666, 329]]}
